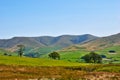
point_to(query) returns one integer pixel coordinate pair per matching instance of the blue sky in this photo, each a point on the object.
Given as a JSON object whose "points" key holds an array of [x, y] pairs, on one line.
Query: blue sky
{"points": [[58, 17]]}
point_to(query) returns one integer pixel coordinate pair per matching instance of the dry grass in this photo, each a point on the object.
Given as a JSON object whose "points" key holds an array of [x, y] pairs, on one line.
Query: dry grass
{"points": [[11, 72]]}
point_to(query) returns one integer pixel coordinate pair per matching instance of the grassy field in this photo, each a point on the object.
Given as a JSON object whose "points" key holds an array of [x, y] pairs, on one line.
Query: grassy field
{"points": [[72, 56], [24, 68], [75, 55], [68, 68], [13, 60]]}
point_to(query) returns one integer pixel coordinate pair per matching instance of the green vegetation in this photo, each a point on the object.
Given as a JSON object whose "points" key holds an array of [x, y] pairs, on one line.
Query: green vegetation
{"points": [[70, 65], [76, 54], [15, 67], [44, 44], [54, 55], [92, 57], [111, 57], [72, 56], [35, 68], [13, 60]]}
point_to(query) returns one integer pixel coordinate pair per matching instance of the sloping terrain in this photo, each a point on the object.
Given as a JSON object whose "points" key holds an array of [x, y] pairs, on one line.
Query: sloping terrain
{"points": [[101, 43], [44, 43], [101, 46]]}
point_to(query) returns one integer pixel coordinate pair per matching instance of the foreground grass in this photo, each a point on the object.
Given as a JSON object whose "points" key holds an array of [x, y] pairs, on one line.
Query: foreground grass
{"points": [[90, 72], [16, 68]]}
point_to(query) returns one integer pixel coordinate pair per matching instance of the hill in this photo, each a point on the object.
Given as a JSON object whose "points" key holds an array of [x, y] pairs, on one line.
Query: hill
{"points": [[44, 44], [103, 42], [101, 46]]}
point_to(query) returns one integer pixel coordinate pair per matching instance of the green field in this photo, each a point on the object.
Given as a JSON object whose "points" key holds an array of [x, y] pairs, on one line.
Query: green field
{"points": [[13, 60], [75, 55], [72, 56]]}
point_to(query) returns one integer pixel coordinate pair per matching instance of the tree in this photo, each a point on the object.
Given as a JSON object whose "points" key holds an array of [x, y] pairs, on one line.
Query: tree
{"points": [[21, 49], [92, 57], [54, 55]]}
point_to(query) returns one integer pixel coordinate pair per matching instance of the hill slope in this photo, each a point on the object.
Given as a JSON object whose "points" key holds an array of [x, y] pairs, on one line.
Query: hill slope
{"points": [[35, 44], [101, 43], [101, 46]]}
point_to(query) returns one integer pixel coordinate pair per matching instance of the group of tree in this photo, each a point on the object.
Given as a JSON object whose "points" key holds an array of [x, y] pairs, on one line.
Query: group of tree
{"points": [[92, 57]]}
